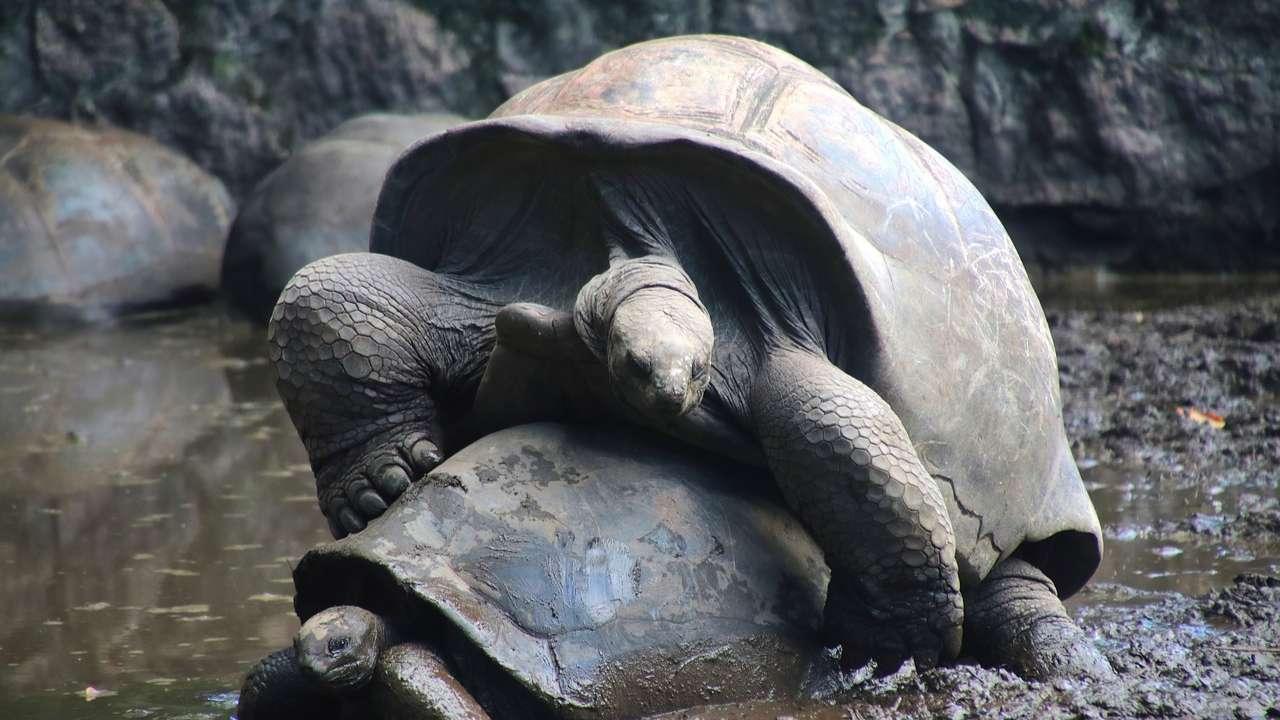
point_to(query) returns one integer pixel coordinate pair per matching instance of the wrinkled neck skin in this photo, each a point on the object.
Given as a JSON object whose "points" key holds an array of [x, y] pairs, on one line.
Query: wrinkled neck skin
{"points": [[644, 320]]}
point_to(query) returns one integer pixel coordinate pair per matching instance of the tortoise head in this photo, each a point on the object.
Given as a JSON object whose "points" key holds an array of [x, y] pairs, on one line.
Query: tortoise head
{"points": [[339, 647], [659, 352]]}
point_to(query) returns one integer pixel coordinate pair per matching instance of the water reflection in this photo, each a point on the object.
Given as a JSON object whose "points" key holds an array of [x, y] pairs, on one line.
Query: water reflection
{"points": [[1100, 289], [1165, 535], [152, 496]]}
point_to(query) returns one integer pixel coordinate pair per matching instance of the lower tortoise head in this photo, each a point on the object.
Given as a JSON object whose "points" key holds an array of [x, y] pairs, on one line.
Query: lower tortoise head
{"points": [[339, 647]]}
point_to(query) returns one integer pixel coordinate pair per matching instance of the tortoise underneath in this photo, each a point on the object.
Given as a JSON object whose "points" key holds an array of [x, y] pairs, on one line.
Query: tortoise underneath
{"points": [[708, 237], [564, 571]]}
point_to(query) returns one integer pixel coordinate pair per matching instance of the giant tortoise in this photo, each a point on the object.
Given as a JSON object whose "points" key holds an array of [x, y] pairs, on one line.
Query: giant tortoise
{"points": [[551, 570], [94, 220], [762, 267], [319, 202]]}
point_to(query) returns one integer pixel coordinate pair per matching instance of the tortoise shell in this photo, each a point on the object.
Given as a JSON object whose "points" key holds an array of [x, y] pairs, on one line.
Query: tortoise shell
{"points": [[796, 211], [609, 572], [103, 219], [317, 203]]}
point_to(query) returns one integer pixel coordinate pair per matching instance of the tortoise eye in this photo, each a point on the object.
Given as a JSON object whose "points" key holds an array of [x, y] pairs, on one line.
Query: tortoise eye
{"points": [[337, 645]]}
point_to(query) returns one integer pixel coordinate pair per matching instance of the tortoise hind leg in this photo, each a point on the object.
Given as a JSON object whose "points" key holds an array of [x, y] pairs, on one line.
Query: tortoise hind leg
{"points": [[1015, 619], [364, 346], [845, 465]]}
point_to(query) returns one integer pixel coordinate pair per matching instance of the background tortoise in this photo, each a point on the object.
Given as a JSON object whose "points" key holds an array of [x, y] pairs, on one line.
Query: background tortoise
{"points": [[102, 219], [759, 262], [319, 202], [552, 570]]}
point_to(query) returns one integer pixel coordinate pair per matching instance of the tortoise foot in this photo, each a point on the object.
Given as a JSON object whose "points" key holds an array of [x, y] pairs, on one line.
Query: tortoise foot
{"points": [[1015, 619], [916, 626], [361, 346], [361, 485]]}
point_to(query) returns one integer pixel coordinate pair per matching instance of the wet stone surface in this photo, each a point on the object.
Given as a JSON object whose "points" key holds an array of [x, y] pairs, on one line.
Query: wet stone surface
{"points": [[153, 497]]}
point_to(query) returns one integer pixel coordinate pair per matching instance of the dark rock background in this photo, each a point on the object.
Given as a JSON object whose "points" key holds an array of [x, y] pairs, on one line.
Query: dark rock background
{"points": [[1137, 134]]}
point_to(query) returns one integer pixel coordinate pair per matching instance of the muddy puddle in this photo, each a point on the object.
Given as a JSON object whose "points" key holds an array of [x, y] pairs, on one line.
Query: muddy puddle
{"points": [[153, 497]]}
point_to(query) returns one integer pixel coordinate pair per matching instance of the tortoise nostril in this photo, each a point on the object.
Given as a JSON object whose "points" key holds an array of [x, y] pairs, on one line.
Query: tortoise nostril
{"points": [[667, 404]]}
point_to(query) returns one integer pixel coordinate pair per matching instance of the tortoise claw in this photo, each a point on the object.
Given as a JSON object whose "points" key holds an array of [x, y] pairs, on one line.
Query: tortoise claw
{"points": [[391, 480], [350, 520], [335, 527], [370, 503], [423, 456], [364, 489]]}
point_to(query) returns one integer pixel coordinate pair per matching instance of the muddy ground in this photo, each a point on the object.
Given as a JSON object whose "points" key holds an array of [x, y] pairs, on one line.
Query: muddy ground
{"points": [[1214, 654]]}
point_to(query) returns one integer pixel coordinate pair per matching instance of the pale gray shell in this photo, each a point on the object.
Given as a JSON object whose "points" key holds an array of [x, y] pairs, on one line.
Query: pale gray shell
{"points": [[104, 218]]}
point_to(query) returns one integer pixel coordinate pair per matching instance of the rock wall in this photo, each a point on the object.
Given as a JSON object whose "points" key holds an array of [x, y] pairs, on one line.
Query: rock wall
{"points": [[1138, 134]]}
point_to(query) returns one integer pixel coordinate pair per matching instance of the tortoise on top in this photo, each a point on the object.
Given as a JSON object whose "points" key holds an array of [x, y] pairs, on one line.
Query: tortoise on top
{"points": [[763, 267]]}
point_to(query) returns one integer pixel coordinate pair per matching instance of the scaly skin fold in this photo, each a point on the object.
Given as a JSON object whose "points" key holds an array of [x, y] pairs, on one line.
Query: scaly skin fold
{"points": [[360, 344], [1014, 618], [275, 688], [846, 467]]}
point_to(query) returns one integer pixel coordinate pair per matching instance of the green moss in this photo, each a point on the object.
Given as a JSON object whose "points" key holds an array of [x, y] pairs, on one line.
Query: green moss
{"points": [[225, 67], [1092, 42]]}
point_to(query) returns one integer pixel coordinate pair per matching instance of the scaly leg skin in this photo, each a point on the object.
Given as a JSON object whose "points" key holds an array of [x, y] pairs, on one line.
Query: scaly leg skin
{"points": [[276, 689], [845, 465], [361, 343], [413, 683], [1015, 619]]}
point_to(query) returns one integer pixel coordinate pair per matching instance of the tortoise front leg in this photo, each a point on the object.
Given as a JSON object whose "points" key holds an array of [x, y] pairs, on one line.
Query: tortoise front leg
{"points": [[412, 683], [845, 465], [1014, 618], [276, 689], [364, 346]]}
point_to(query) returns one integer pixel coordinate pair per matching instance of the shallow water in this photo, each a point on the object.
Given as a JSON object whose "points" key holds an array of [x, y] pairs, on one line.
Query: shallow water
{"points": [[1105, 290], [1146, 550], [153, 496]]}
